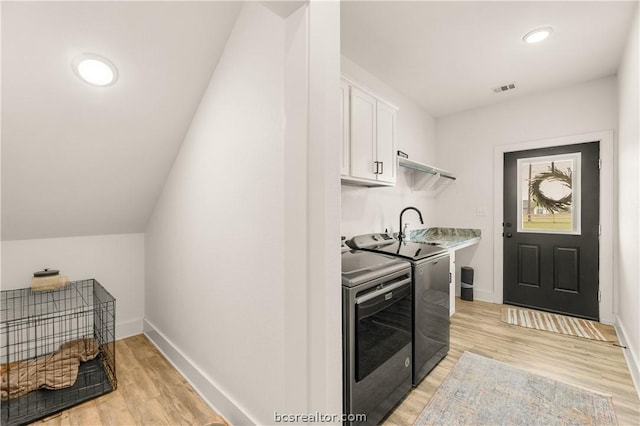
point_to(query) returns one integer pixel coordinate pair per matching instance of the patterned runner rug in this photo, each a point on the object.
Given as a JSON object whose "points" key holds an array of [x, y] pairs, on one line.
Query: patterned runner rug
{"points": [[557, 324], [482, 391]]}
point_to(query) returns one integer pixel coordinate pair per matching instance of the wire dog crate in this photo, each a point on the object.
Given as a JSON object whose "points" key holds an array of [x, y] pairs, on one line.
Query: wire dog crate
{"points": [[57, 349]]}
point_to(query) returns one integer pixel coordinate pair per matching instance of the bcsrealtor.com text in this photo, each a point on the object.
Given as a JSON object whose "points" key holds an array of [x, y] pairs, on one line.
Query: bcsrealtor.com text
{"points": [[317, 417]]}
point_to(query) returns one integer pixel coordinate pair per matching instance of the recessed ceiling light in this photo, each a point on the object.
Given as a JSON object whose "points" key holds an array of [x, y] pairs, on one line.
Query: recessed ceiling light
{"points": [[95, 69], [537, 35]]}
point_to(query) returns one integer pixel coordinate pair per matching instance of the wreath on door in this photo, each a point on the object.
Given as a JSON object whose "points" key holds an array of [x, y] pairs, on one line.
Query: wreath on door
{"points": [[551, 204]]}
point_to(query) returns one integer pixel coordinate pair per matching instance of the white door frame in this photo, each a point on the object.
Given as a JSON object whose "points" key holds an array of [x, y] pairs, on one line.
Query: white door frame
{"points": [[606, 212]]}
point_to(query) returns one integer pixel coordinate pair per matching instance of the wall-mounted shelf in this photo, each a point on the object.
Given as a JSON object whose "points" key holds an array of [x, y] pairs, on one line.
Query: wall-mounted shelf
{"points": [[427, 178], [354, 181]]}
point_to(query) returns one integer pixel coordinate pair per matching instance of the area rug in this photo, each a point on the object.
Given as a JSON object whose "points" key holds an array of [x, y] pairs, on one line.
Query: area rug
{"points": [[482, 391], [555, 323]]}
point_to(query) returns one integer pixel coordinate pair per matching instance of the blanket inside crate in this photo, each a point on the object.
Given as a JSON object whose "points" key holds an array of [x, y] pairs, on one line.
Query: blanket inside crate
{"points": [[56, 370]]}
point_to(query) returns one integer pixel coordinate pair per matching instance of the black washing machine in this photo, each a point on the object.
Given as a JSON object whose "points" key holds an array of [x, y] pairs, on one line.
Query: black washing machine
{"points": [[430, 296], [376, 327]]}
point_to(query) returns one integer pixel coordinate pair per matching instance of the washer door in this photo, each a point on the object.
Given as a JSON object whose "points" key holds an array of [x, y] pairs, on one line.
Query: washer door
{"points": [[383, 326]]}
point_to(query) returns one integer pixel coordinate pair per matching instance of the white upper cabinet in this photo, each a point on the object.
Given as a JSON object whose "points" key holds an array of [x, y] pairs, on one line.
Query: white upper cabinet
{"points": [[386, 142], [368, 150], [363, 135]]}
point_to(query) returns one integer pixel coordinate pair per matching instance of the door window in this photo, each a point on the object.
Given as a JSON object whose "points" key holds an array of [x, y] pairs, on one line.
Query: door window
{"points": [[549, 194]]}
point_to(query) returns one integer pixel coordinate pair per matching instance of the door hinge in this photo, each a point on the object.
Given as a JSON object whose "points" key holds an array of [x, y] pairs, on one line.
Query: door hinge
{"points": [[599, 163], [599, 295], [599, 229]]}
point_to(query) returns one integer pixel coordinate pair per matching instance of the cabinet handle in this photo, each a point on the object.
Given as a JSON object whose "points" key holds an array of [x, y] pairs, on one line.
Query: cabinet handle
{"points": [[377, 163], [382, 167]]}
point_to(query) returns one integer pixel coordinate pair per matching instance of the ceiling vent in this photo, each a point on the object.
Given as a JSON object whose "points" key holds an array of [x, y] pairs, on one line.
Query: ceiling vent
{"points": [[504, 88]]}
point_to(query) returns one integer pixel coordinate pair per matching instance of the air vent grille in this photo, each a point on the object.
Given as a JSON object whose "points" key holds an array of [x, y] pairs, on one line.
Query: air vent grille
{"points": [[504, 88]]}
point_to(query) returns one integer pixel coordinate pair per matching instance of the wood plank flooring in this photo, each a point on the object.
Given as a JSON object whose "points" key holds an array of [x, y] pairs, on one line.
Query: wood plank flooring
{"points": [[476, 327], [150, 392]]}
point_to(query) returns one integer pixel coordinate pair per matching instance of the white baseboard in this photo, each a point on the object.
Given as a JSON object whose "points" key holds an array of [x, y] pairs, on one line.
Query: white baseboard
{"points": [[478, 294], [629, 354], [202, 384], [128, 328], [482, 295]]}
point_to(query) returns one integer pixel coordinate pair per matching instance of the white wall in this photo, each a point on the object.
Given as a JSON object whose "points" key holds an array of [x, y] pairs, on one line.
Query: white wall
{"points": [[296, 96], [324, 302], [628, 294], [215, 242], [116, 261], [466, 144], [366, 210]]}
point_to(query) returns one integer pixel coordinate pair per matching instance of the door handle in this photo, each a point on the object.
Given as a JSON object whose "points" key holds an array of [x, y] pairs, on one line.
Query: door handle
{"points": [[508, 235], [383, 290]]}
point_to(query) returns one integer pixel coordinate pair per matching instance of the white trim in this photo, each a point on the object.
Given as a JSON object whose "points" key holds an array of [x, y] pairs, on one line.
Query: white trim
{"points": [[629, 354], [353, 82], [606, 211], [482, 294], [128, 328], [201, 382]]}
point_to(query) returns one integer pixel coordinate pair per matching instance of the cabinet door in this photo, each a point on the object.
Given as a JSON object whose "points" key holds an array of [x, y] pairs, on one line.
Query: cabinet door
{"points": [[386, 142], [363, 135], [346, 134], [452, 283]]}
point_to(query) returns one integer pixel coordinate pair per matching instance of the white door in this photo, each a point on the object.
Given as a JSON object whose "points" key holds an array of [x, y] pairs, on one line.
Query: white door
{"points": [[363, 135], [385, 138]]}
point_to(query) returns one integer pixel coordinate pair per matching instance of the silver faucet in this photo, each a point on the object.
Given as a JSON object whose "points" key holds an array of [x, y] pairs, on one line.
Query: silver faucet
{"points": [[402, 234]]}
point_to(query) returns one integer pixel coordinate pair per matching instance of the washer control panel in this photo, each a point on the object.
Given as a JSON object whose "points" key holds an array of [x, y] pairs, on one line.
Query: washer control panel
{"points": [[371, 240]]}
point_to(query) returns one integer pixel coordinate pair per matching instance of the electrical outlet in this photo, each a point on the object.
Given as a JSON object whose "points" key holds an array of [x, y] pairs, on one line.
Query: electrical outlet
{"points": [[481, 211]]}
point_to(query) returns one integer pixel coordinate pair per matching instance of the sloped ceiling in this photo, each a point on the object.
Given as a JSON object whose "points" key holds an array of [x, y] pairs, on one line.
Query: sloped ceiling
{"points": [[84, 160], [448, 55]]}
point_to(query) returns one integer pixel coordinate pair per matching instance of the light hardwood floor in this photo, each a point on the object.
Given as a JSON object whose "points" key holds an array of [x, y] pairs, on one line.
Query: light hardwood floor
{"points": [[151, 392], [476, 327]]}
